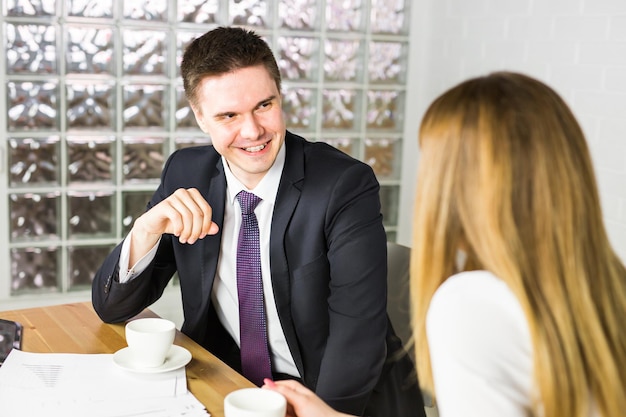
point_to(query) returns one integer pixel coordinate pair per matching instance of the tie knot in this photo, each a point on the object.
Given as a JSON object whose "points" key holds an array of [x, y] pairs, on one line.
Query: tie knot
{"points": [[247, 201]]}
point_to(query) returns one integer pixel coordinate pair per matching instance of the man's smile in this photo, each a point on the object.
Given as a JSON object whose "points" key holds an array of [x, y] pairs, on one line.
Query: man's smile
{"points": [[256, 148]]}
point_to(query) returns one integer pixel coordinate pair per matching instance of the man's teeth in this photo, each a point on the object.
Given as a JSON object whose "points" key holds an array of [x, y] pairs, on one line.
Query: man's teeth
{"points": [[255, 148]]}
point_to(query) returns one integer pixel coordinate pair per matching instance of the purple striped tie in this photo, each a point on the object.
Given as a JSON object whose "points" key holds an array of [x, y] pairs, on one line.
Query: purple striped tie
{"points": [[255, 357]]}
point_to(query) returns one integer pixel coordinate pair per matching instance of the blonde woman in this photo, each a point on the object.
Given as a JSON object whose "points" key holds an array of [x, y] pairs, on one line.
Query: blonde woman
{"points": [[519, 301]]}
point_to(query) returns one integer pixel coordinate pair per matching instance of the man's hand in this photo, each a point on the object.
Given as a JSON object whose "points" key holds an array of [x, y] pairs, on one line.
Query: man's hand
{"points": [[184, 214]]}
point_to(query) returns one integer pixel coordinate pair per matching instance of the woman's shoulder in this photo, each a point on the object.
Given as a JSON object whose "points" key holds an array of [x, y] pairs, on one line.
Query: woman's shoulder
{"points": [[478, 311], [476, 295], [475, 285], [480, 345]]}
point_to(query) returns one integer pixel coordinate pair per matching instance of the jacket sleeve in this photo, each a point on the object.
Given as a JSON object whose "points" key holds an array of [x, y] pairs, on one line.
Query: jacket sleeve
{"points": [[115, 302], [357, 253]]}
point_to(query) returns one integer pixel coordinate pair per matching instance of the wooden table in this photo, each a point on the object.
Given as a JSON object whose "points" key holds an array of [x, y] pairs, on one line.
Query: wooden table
{"points": [[76, 328]]}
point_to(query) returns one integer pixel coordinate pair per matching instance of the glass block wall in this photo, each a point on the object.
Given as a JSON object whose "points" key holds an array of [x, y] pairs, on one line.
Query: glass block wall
{"points": [[93, 104]]}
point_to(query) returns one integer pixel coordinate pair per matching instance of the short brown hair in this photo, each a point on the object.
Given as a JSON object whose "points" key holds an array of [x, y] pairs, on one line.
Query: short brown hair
{"points": [[223, 50]]}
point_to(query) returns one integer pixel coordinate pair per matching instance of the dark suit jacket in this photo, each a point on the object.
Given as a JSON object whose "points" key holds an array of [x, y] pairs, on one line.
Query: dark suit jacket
{"points": [[328, 265]]}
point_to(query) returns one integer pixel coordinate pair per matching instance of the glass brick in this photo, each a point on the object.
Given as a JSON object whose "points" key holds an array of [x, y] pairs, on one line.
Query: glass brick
{"points": [[34, 270], [148, 10], [384, 156], [344, 15], [387, 62], [30, 8], [84, 262], [340, 109], [343, 60], [90, 106], [143, 159], [249, 13], [31, 49], [384, 110], [188, 142], [34, 161], [135, 203], [89, 50], [183, 39], [144, 52], [198, 11], [90, 8], [32, 105], [90, 159], [299, 106], [185, 119], [388, 16], [346, 145], [389, 200], [79, 150], [144, 106], [34, 216], [297, 57], [298, 14], [90, 214]]}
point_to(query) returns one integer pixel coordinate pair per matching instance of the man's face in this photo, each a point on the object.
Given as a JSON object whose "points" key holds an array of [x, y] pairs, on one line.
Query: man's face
{"points": [[241, 111]]}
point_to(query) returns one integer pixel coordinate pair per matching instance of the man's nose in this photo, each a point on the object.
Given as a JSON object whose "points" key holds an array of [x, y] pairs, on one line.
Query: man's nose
{"points": [[251, 128]]}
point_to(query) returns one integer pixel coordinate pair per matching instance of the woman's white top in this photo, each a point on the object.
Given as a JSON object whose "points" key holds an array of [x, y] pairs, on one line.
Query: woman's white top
{"points": [[480, 348]]}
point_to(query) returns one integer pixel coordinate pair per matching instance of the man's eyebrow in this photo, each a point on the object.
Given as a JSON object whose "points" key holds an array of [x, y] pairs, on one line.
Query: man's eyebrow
{"points": [[226, 113], [270, 98], [222, 114]]}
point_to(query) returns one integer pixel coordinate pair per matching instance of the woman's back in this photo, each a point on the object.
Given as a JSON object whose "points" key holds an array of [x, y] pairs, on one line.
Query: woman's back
{"points": [[481, 350], [506, 178]]}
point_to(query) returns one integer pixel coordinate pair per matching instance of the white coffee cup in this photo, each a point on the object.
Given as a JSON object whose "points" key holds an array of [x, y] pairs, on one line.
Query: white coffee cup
{"points": [[149, 341], [255, 402]]}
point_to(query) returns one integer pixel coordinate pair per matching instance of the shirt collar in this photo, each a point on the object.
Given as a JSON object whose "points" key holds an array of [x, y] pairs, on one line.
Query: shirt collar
{"points": [[267, 188]]}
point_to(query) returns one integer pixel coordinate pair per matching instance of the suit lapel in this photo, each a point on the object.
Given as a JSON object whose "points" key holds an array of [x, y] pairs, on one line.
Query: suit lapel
{"points": [[215, 194], [289, 191]]}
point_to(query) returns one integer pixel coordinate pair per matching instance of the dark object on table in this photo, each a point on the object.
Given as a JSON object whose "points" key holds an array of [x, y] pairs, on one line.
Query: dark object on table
{"points": [[10, 337]]}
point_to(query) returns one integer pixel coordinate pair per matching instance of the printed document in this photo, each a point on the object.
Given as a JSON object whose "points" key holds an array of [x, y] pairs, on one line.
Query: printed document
{"points": [[78, 385]]}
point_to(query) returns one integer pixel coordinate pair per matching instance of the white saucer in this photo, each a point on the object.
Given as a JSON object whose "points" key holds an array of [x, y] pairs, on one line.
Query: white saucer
{"points": [[176, 358]]}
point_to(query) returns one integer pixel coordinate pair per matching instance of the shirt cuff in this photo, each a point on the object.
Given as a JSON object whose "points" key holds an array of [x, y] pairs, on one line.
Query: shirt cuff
{"points": [[125, 274]]}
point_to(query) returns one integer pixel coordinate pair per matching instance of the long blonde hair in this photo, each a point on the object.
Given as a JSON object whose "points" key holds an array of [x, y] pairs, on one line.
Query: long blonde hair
{"points": [[505, 174]]}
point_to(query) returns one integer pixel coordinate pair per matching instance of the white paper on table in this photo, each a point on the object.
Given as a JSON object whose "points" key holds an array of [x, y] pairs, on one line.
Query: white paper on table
{"points": [[64, 384]]}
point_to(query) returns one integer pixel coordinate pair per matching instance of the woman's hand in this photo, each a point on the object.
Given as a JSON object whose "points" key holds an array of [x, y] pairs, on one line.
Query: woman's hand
{"points": [[301, 401]]}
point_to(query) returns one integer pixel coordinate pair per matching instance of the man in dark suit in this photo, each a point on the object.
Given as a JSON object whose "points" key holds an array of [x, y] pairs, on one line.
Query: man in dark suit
{"points": [[322, 242]]}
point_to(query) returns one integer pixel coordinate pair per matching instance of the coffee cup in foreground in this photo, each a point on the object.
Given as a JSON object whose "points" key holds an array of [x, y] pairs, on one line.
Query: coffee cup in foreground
{"points": [[149, 341], [255, 402]]}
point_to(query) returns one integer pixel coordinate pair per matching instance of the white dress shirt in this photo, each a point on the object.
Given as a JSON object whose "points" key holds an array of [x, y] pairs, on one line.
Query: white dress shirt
{"points": [[224, 293]]}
